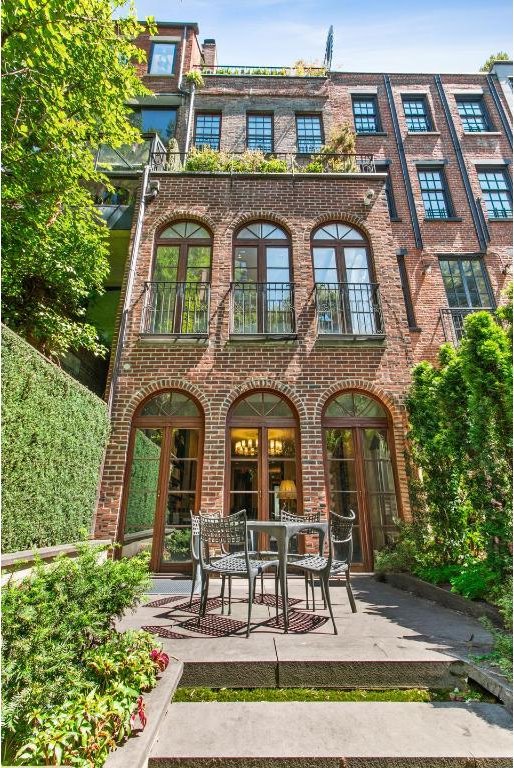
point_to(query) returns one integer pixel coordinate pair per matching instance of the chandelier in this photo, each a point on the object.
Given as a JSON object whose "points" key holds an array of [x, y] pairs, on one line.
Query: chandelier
{"points": [[250, 447]]}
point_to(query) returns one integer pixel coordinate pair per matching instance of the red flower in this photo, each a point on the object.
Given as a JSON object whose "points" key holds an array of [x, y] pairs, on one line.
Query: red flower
{"points": [[139, 711], [160, 659]]}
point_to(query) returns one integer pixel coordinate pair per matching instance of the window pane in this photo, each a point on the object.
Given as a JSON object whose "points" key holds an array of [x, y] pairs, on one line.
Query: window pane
{"points": [[161, 121], [472, 115], [261, 230], [416, 115], [336, 232], [166, 263], [433, 193], [365, 115], [198, 263], [163, 56], [308, 133], [207, 133], [259, 133], [170, 404], [496, 193], [245, 265]]}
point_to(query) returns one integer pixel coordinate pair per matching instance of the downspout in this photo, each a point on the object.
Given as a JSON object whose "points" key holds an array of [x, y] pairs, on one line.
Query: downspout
{"points": [[182, 54], [128, 291], [190, 118]]}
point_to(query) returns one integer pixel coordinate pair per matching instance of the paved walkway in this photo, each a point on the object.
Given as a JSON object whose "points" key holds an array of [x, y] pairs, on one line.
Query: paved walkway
{"points": [[390, 625]]}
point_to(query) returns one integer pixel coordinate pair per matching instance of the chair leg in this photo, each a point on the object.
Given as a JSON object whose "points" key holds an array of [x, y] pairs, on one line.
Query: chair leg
{"points": [[222, 595], [203, 596], [230, 595], [262, 587], [350, 594], [193, 585], [251, 591], [276, 593], [312, 591], [325, 588], [306, 577]]}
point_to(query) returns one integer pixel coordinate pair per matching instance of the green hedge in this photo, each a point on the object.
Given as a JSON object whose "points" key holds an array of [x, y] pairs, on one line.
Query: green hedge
{"points": [[54, 433]]}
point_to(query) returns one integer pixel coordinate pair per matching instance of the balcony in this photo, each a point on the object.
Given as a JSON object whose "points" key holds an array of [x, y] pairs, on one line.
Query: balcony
{"points": [[452, 320], [262, 309], [176, 309], [129, 157], [213, 161], [238, 70], [349, 310]]}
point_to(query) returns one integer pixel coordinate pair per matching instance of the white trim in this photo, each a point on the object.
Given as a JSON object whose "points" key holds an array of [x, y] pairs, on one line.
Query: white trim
{"points": [[472, 92], [165, 39], [365, 91]]}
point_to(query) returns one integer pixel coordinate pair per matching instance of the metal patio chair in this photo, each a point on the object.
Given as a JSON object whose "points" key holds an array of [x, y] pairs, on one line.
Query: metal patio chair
{"points": [[340, 534], [307, 517], [195, 558], [225, 533]]}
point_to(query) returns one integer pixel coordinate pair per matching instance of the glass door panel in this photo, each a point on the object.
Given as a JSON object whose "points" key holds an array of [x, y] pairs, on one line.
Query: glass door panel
{"points": [[181, 495], [360, 298], [380, 488], [244, 471], [142, 497], [342, 480]]}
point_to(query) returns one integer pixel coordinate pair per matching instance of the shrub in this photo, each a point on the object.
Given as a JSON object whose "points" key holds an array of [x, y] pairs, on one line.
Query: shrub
{"points": [[194, 77], [54, 433], [475, 580], [438, 574], [59, 643]]}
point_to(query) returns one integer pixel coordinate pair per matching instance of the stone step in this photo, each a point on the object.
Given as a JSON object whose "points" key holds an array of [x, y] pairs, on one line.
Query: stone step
{"points": [[333, 735]]}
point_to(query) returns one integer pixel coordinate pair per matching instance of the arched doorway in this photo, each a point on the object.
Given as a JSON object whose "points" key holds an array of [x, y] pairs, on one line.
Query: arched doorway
{"points": [[359, 470], [263, 454], [163, 479]]}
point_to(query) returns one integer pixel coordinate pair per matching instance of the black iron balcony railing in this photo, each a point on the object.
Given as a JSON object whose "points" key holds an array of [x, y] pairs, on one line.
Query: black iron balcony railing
{"points": [[301, 70], [349, 309], [269, 162], [452, 319], [262, 309], [180, 309]]}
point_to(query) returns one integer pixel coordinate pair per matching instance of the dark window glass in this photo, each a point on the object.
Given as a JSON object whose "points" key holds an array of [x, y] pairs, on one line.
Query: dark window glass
{"points": [[434, 194], [365, 113], [496, 193], [308, 133], [465, 282], [472, 115], [162, 121], [416, 115], [259, 132], [162, 59], [207, 131]]}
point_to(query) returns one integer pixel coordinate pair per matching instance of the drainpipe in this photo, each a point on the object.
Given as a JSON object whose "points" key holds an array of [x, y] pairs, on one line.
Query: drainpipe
{"points": [[190, 118], [182, 54], [130, 284]]}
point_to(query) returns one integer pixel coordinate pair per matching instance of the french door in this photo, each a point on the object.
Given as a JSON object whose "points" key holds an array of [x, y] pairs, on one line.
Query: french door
{"points": [[360, 476], [163, 483], [262, 453]]}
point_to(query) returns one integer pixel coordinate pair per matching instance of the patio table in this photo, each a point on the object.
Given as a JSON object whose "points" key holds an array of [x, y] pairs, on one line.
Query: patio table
{"points": [[283, 531]]}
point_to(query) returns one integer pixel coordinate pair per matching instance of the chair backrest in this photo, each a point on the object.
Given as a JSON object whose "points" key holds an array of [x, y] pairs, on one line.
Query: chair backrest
{"points": [[195, 531], [307, 517], [222, 533], [341, 527]]}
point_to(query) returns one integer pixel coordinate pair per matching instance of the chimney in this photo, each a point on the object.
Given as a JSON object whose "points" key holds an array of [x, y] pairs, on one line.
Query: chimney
{"points": [[209, 53]]}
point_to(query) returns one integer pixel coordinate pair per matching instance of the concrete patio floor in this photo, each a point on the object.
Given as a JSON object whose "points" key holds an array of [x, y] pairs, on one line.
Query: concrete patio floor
{"points": [[416, 638]]}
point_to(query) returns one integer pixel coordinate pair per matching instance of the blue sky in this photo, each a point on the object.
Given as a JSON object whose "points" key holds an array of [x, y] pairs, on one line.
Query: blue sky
{"points": [[370, 35]]}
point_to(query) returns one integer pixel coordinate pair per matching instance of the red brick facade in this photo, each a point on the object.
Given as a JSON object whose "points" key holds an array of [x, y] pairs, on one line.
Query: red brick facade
{"points": [[306, 370]]}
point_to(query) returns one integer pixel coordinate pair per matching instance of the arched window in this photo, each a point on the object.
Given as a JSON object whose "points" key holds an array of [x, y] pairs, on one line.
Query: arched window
{"points": [[346, 298], [164, 479], [178, 295], [359, 470], [262, 290], [263, 455]]}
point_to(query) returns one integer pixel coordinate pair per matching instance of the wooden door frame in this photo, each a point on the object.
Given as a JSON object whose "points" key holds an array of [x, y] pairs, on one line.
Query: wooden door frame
{"points": [[166, 424], [357, 424], [260, 423]]}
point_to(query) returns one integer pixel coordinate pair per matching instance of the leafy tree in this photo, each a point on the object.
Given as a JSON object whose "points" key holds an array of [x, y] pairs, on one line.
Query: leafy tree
{"points": [[67, 73], [501, 56]]}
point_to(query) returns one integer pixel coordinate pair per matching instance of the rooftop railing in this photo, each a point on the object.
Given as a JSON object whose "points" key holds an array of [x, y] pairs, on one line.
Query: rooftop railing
{"points": [[452, 320], [129, 157], [240, 70], [256, 162]]}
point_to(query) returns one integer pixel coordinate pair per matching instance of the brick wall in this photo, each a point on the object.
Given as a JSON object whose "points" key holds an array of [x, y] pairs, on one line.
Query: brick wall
{"points": [[305, 371]]}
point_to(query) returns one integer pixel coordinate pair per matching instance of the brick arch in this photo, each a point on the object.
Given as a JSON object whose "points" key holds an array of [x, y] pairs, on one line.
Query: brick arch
{"points": [[254, 216], [345, 218], [275, 386], [166, 219], [389, 401], [180, 385]]}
